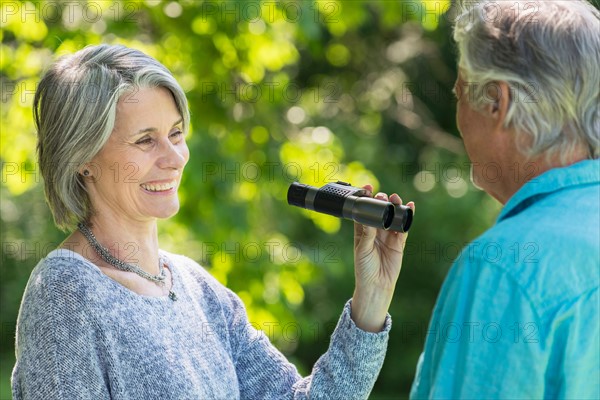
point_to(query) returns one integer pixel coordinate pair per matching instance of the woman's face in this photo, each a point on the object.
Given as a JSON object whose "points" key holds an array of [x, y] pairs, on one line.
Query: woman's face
{"points": [[137, 173]]}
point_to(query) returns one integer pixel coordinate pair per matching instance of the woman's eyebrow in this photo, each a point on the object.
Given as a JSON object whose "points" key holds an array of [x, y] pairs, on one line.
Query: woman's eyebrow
{"points": [[152, 129]]}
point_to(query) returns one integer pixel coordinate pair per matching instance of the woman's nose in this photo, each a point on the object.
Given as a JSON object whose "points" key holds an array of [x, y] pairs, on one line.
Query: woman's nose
{"points": [[173, 156]]}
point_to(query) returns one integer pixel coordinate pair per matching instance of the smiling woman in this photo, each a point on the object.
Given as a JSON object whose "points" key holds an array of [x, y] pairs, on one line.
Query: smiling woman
{"points": [[147, 140], [75, 110], [108, 314]]}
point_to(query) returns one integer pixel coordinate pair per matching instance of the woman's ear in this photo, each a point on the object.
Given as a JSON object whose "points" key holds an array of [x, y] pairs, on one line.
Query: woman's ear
{"points": [[85, 170]]}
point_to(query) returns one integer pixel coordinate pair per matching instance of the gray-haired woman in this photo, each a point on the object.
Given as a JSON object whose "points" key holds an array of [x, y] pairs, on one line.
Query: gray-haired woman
{"points": [[109, 314]]}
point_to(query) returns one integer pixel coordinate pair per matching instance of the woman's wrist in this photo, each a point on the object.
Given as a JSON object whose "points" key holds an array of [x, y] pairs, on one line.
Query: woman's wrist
{"points": [[369, 309]]}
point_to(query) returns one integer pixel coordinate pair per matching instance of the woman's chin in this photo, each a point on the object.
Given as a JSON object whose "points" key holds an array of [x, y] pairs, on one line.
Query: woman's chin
{"points": [[165, 212]]}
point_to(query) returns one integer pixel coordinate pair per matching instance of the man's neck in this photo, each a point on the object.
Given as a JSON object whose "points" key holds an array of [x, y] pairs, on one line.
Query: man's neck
{"points": [[524, 169]]}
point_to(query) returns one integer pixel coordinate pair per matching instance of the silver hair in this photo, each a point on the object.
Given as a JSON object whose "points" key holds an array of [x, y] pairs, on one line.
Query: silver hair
{"points": [[74, 110], [548, 52]]}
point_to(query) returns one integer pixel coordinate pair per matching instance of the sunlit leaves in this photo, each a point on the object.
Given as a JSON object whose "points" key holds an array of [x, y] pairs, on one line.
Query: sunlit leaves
{"points": [[314, 91], [23, 20], [338, 54]]}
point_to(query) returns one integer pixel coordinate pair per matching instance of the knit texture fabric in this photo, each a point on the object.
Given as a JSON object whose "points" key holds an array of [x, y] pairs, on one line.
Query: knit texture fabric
{"points": [[81, 335]]}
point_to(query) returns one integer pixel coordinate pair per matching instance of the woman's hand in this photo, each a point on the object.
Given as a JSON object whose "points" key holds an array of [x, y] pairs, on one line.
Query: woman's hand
{"points": [[377, 263]]}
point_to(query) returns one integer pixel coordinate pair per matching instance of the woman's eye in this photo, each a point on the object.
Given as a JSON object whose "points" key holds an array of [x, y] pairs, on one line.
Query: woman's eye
{"points": [[144, 141], [176, 134]]}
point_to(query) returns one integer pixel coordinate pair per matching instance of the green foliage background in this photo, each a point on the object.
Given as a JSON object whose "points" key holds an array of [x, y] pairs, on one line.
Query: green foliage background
{"points": [[358, 91]]}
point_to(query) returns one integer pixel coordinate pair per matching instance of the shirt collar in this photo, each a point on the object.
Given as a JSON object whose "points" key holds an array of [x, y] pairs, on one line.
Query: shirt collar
{"points": [[581, 173]]}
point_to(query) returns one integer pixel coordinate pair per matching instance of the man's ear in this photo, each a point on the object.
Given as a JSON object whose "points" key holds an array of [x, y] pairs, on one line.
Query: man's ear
{"points": [[498, 92]]}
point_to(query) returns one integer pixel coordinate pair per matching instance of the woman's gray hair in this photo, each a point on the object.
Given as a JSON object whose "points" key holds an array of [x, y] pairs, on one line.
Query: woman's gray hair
{"points": [[548, 52], [75, 108]]}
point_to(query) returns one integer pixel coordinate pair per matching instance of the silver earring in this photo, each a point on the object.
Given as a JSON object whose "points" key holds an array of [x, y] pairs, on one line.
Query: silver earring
{"points": [[86, 172]]}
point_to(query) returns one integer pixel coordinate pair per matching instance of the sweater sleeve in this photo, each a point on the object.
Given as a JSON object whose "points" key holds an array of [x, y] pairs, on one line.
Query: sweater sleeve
{"points": [[348, 370], [56, 351]]}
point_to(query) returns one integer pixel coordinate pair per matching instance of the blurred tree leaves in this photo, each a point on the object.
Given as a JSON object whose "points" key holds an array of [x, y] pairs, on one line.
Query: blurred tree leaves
{"points": [[314, 91]]}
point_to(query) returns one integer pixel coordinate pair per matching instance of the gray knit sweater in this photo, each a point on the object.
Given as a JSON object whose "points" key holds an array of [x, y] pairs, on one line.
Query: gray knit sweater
{"points": [[82, 335]]}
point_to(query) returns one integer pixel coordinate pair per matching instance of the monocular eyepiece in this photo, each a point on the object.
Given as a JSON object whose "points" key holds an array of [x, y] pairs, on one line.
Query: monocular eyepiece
{"points": [[343, 200]]}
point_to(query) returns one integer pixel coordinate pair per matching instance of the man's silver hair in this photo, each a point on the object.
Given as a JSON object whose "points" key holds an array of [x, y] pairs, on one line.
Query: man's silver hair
{"points": [[75, 108], [549, 54]]}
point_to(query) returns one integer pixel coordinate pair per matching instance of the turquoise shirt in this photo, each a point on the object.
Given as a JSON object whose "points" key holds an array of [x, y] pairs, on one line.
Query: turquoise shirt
{"points": [[518, 314]]}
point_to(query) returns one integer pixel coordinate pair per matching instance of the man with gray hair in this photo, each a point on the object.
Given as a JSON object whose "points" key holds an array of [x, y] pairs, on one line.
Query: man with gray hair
{"points": [[518, 315]]}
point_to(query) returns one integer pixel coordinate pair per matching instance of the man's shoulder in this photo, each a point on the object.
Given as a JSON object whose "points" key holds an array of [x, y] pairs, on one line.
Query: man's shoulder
{"points": [[551, 262], [561, 227], [569, 213]]}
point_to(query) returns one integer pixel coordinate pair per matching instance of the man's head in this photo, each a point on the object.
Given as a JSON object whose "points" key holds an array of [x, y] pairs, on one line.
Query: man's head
{"points": [[529, 84]]}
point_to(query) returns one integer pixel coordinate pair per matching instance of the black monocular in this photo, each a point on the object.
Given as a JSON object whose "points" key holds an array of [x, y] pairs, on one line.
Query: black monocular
{"points": [[343, 200]]}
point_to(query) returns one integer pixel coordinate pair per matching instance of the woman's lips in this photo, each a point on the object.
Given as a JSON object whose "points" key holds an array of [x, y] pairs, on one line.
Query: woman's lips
{"points": [[159, 186]]}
